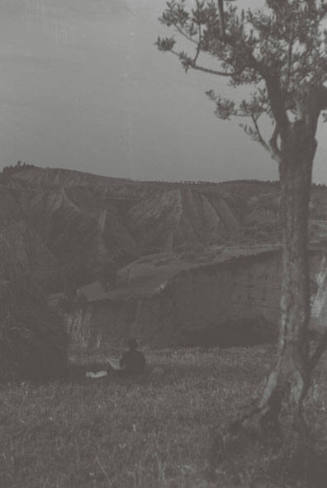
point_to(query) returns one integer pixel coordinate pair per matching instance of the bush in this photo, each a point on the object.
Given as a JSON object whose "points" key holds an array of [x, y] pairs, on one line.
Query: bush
{"points": [[33, 341]]}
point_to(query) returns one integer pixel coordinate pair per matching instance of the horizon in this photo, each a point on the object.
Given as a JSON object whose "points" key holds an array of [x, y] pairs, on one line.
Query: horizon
{"points": [[183, 181], [84, 87]]}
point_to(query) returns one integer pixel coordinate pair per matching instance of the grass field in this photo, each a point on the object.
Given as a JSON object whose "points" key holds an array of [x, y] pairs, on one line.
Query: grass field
{"points": [[155, 432]]}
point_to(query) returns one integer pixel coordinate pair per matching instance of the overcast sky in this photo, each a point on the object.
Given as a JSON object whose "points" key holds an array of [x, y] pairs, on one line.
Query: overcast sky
{"points": [[82, 86]]}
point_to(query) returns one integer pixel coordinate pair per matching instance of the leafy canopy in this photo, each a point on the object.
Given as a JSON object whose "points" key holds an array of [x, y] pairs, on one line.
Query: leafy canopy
{"points": [[278, 49]]}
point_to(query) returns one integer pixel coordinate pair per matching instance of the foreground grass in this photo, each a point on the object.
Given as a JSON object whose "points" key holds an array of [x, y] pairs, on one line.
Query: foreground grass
{"points": [[152, 433]]}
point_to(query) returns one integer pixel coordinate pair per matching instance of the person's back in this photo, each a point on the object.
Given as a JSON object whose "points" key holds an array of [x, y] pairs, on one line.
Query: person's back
{"points": [[132, 361]]}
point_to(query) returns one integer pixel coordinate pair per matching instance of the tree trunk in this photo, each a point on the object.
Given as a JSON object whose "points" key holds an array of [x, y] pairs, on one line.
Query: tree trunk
{"points": [[289, 379]]}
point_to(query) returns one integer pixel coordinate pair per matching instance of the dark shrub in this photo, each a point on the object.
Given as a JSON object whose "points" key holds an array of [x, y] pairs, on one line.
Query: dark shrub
{"points": [[33, 341]]}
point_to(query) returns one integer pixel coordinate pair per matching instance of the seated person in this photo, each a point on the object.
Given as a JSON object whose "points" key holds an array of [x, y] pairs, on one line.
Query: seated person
{"points": [[132, 361]]}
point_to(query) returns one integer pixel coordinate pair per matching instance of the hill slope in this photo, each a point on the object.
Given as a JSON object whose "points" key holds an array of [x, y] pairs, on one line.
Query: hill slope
{"points": [[77, 227]]}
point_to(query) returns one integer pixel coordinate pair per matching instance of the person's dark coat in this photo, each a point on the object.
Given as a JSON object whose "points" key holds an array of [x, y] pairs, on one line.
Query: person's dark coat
{"points": [[132, 362]]}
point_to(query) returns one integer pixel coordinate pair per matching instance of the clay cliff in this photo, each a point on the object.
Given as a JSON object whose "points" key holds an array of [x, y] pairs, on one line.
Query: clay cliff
{"points": [[91, 226], [63, 229]]}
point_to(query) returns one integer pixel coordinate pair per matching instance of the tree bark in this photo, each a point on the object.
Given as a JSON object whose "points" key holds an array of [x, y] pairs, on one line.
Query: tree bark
{"points": [[289, 379]]}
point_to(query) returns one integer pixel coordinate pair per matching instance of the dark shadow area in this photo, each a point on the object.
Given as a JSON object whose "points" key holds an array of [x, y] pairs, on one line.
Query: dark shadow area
{"points": [[33, 341], [247, 332]]}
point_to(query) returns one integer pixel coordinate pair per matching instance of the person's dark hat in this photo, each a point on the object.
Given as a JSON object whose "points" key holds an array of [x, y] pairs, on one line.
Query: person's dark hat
{"points": [[132, 343]]}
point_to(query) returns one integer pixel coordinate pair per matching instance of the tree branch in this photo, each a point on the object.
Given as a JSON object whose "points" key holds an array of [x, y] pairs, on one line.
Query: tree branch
{"points": [[322, 98], [277, 102], [271, 147], [198, 47], [212, 71], [290, 61], [273, 144], [189, 63], [258, 132], [222, 18]]}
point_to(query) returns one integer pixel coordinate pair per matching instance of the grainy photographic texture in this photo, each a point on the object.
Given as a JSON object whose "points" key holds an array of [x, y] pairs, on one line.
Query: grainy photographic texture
{"points": [[163, 229]]}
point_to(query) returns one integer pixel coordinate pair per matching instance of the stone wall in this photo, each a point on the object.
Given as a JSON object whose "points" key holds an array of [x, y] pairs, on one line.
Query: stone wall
{"points": [[229, 303]]}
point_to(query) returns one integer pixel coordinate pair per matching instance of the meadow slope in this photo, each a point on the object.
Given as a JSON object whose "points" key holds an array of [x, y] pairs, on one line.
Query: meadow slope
{"points": [[155, 432]]}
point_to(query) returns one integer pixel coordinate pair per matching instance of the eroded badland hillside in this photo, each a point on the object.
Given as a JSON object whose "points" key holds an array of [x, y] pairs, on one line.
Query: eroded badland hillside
{"points": [[162, 260]]}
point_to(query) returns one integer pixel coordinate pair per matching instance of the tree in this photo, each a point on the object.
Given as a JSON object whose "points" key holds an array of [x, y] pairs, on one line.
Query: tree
{"points": [[280, 53]]}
